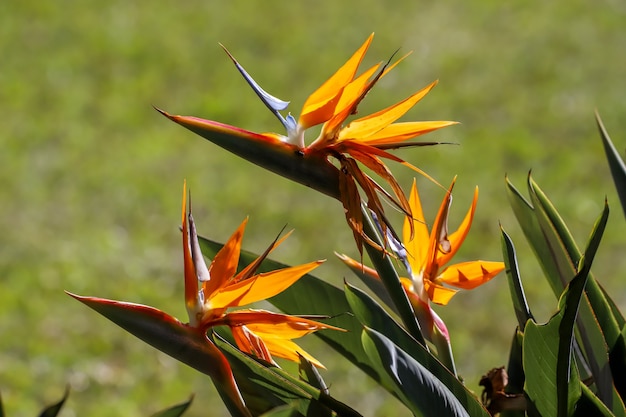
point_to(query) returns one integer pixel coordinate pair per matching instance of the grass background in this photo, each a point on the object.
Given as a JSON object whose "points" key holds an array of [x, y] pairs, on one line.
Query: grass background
{"points": [[91, 175]]}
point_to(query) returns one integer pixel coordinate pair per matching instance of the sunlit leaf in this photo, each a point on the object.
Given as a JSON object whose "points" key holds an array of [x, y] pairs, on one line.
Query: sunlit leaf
{"points": [[420, 390], [552, 379], [600, 319], [597, 325]]}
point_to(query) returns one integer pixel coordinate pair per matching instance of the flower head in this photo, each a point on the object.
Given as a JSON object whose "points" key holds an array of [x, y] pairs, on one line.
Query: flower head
{"points": [[347, 144], [425, 255], [428, 253], [211, 291]]}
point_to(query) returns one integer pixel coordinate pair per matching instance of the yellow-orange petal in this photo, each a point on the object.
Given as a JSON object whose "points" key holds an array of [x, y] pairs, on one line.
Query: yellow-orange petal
{"points": [[224, 265], [469, 275], [259, 287], [287, 349], [369, 125], [417, 247], [456, 239], [349, 98], [317, 109], [399, 132], [280, 325], [438, 294]]}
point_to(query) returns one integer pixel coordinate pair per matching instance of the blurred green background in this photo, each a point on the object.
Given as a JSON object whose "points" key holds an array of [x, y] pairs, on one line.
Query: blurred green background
{"points": [[91, 175]]}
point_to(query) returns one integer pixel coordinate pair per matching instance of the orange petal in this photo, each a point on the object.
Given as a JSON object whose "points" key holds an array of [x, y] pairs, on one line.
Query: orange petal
{"points": [[349, 98], [249, 342], [352, 95], [439, 243], [399, 132], [251, 269], [362, 154], [362, 128], [260, 287], [438, 294], [417, 247], [320, 105], [286, 349], [279, 325], [224, 265], [469, 275], [456, 239]]}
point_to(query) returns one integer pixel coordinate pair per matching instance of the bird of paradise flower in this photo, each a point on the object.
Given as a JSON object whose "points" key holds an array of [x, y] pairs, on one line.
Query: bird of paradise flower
{"points": [[209, 294], [425, 255], [366, 140]]}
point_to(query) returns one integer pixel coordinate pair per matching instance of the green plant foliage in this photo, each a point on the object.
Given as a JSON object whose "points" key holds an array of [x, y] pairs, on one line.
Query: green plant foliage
{"points": [[552, 379], [520, 305], [616, 163], [373, 316], [423, 393], [557, 253]]}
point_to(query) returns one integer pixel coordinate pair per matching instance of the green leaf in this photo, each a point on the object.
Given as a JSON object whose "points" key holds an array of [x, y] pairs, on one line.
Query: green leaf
{"points": [[373, 316], [184, 343], [616, 163], [522, 311], [552, 380], [54, 409], [558, 255], [174, 411], [527, 219], [597, 325], [420, 390]]}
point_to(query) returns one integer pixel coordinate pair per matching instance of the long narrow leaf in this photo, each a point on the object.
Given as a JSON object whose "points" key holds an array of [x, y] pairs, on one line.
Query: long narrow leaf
{"points": [[616, 163], [597, 325], [552, 380], [421, 391], [522, 311], [373, 316]]}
